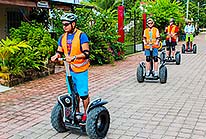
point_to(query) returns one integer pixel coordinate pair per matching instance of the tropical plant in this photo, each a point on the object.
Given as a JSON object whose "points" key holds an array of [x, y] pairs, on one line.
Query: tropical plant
{"points": [[8, 48], [43, 46]]}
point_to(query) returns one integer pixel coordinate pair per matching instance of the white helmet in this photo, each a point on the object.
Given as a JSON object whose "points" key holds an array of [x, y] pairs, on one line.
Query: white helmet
{"points": [[70, 17], [150, 19]]}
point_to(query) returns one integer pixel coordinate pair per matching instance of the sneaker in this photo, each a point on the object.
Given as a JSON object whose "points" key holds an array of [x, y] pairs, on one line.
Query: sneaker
{"points": [[83, 121], [156, 74], [172, 57], [147, 74]]}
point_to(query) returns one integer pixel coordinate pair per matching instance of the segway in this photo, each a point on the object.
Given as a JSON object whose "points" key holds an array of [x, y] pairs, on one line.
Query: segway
{"points": [[176, 59], [64, 116], [141, 70], [193, 49]]}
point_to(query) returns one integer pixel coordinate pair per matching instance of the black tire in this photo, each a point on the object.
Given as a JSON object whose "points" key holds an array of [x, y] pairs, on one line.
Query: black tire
{"points": [[140, 72], [163, 74], [183, 48], [97, 123], [178, 58], [194, 48], [57, 119]]}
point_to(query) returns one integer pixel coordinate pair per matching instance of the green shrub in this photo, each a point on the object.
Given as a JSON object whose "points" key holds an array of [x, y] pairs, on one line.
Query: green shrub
{"points": [[8, 49], [42, 47]]}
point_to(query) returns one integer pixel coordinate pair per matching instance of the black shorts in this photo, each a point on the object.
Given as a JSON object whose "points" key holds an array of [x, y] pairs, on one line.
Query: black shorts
{"points": [[170, 45]]}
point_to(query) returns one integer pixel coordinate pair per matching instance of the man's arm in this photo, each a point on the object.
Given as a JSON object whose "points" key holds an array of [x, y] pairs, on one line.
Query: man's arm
{"points": [[157, 37], [193, 29], [144, 38], [176, 31], [85, 51], [58, 54]]}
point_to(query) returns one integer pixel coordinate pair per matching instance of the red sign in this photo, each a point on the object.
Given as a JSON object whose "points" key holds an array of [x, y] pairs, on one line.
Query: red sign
{"points": [[121, 23], [144, 17]]}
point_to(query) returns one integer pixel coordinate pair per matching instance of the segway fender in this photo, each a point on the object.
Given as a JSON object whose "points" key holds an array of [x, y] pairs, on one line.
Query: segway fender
{"points": [[142, 64], [162, 65], [177, 52], [66, 101], [95, 103]]}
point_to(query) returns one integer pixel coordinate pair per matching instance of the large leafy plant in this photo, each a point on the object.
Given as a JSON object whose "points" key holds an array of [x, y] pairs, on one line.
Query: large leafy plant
{"points": [[8, 48], [42, 47]]}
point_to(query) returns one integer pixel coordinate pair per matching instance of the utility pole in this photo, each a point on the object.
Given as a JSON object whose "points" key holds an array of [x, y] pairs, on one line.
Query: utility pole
{"points": [[187, 9]]}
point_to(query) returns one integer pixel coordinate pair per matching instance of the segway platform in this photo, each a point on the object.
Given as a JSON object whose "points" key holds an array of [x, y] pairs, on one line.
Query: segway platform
{"points": [[151, 77]]}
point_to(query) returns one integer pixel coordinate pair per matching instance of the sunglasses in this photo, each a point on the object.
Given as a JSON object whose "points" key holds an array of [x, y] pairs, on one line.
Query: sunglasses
{"points": [[66, 24], [149, 23]]}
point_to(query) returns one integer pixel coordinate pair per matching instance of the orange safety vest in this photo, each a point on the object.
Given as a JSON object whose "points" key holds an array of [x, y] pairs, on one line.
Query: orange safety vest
{"points": [[171, 30], [78, 65], [151, 40]]}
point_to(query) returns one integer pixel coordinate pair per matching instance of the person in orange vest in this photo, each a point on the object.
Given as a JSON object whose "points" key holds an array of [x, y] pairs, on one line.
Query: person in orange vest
{"points": [[74, 44], [171, 39], [151, 38]]}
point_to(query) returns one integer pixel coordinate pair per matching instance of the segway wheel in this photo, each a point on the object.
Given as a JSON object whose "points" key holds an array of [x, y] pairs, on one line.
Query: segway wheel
{"points": [[163, 74], [57, 119], [97, 123], [140, 72], [194, 48], [183, 48], [178, 58]]}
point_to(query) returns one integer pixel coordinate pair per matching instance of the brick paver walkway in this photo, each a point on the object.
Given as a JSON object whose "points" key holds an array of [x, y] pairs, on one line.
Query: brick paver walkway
{"points": [[138, 110]]}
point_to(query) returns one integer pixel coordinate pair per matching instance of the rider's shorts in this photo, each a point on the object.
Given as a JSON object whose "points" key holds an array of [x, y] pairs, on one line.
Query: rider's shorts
{"points": [[80, 83], [168, 44], [191, 37], [154, 52]]}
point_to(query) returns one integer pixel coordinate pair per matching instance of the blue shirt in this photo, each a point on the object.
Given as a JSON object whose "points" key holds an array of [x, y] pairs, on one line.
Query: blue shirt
{"points": [[189, 29], [70, 37]]}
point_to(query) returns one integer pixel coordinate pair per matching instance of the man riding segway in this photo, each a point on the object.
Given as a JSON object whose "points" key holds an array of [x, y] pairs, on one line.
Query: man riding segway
{"points": [[171, 39], [66, 115], [149, 70], [189, 31]]}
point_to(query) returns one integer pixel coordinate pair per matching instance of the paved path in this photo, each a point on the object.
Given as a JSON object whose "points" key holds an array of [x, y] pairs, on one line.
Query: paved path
{"points": [[138, 110]]}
